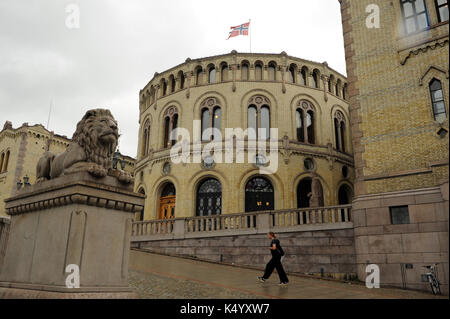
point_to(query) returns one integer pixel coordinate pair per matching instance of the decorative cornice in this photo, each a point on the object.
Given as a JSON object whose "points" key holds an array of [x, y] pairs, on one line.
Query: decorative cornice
{"points": [[79, 192], [439, 43]]}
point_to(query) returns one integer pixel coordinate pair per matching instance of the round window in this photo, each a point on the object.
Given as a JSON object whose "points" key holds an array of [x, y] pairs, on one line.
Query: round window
{"points": [[208, 162], [309, 164]]}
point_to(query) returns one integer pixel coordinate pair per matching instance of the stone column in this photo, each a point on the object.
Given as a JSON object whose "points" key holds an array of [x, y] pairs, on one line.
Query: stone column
{"points": [[71, 220]]}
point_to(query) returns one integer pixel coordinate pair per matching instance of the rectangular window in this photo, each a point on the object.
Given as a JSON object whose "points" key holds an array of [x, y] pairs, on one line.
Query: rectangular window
{"points": [[442, 10], [399, 215], [415, 16]]}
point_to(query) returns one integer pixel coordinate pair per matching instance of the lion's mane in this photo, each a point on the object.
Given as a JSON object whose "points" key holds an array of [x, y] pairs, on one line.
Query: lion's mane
{"points": [[86, 137]]}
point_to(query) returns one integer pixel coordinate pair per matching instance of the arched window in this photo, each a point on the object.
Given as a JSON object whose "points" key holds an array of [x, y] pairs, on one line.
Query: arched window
{"points": [[211, 118], [338, 88], [344, 92], [244, 71], [304, 73], [170, 124], [272, 71], [167, 202], [265, 122], [258, 71], [182, 79], [224, 72], [437, 100], [342, 128], [2, 158], [209, 198], [174, 127], [146, 139], [337, 134], [345, 195], [198, 75], [415, 15], [291, 73], [299, 125], [212, 75], [164, 87], [305, 122], [316, 78], [442, 10], [331, 81], [339, 130], [206, 121], [259, 116], [259, 195], [217, 120], [166, 132], [5, 162], [252, 120], [310, 126], [152, 95], [172, 84]]}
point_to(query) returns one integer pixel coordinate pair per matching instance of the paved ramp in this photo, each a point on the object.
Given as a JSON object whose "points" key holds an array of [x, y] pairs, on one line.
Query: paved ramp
{"points": [[158, 276]]}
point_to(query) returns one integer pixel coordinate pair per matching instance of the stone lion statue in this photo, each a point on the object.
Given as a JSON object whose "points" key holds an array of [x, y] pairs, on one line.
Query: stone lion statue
{"points": [[93, 144]]}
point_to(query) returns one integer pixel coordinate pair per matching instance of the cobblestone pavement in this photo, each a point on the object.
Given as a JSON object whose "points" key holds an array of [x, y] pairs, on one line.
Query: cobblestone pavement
{"points": [[156, 276]]}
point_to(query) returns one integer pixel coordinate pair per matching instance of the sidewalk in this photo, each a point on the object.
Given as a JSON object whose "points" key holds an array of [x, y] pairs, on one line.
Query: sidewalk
{"points": [[158, 276]]}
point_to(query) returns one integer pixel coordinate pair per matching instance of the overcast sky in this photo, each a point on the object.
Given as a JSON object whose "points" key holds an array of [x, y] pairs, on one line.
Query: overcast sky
{"points": [[121, 44]]}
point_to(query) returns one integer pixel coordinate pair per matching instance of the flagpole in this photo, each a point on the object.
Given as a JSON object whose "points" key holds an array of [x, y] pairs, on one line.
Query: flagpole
{"points": [[250, 31]]}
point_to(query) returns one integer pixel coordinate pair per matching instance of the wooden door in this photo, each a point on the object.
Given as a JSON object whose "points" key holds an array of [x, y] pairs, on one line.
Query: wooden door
{"points": [[167, 207]]}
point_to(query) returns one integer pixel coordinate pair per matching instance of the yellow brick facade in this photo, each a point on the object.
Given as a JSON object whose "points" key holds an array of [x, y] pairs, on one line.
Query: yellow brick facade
{"points": [[233, 92], [397, 146]]}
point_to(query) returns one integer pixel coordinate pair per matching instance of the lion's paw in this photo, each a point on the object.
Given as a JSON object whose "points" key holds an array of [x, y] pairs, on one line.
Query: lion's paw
{"points": [[125, 177], [97, 170]]}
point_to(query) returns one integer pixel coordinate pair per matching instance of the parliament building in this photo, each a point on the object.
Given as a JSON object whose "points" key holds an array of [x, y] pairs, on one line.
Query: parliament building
{"points": [[306, 101]]}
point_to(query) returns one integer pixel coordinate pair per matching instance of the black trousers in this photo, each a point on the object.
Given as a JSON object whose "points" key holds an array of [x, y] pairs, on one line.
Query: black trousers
{"points": [[275, 262]]}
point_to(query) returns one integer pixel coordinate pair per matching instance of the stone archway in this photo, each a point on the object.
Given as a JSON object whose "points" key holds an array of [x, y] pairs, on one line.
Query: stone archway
{"points": [[259, 195], [167, 202]]}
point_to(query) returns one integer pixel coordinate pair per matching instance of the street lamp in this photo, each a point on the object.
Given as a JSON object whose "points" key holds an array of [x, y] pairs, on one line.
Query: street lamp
{"points": [[115, 159], [26, 181], [19, 184]]}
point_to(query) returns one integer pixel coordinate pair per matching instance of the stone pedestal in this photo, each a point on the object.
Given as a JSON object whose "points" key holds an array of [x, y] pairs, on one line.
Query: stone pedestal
{"points": [[75, 219]]}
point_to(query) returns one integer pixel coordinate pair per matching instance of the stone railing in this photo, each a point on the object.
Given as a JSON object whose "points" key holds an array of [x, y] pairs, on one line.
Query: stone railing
{"points": [[322, 218], [4, 234]]}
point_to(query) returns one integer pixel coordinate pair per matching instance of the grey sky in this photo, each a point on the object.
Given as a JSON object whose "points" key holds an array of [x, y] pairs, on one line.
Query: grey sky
{"points": [[121, 44]]}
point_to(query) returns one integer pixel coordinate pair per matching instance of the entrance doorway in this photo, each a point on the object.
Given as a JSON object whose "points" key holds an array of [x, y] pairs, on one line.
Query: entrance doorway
{"points": [[167, 202], [259, 195], [345, 197], [305, 194], [209, 198]]}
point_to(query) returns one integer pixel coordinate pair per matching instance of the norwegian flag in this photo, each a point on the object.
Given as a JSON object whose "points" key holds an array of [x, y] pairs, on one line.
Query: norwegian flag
{"points": [[239, 30]]}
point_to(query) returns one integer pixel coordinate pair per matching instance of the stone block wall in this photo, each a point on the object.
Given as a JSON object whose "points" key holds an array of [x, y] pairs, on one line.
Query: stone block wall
{"points": [[4, 234], [331, 251], [402, 250]]}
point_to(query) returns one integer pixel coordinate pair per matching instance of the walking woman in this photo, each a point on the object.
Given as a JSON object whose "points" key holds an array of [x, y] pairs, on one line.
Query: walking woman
{"points": [[275, 262]]}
